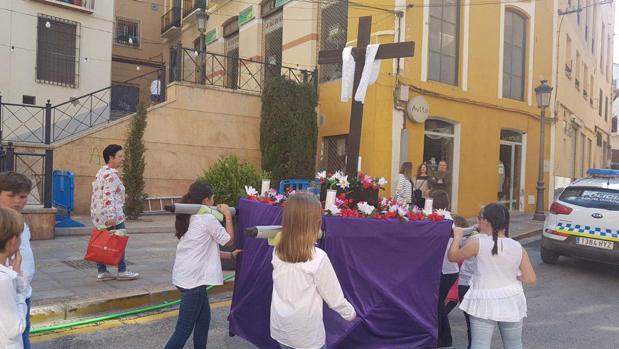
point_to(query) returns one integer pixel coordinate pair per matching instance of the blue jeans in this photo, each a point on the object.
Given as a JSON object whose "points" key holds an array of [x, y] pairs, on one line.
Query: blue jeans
{"points": [[26, 334], [287, 347], [122, 266], [194, 316], [482, 330]]}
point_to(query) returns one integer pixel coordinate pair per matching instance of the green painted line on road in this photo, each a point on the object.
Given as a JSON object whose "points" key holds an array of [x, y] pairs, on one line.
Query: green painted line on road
{"points": [[113, 316]]}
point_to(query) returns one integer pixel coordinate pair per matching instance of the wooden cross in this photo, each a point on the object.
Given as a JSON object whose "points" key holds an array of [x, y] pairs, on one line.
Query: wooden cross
{"points": [[386, 51]]}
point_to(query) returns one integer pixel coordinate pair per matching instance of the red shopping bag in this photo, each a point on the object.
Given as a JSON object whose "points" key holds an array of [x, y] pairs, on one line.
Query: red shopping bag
{"points": [[105, 247]]}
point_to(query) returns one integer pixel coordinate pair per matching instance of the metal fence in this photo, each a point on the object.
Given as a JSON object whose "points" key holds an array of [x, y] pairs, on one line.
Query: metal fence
{"points": [[22, 123], [36, 165], [214, 69]]}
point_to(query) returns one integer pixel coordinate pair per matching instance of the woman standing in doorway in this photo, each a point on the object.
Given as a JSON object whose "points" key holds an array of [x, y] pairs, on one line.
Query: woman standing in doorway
{"points": [[404, 189], [422, 186]]}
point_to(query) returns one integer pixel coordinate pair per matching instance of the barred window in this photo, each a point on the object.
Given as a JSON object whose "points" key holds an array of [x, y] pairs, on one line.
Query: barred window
{"points": [[334, 153], [127, 32], [333, 32], [273, 31], [514, 47], [57, 51], [444, 41]]}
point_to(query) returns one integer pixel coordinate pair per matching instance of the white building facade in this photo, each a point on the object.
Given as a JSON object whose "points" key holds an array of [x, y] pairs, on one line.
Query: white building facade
{"points": [[56, 50]]}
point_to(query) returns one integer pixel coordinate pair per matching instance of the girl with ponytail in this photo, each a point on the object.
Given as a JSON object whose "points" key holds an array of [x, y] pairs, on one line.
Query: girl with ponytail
{"points": [[197, 264], [496, 296]]}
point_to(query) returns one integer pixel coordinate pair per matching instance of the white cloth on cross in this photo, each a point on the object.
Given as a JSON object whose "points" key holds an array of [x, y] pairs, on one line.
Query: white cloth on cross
{"points": [[370, 72], [369, 76], [348, 74]]}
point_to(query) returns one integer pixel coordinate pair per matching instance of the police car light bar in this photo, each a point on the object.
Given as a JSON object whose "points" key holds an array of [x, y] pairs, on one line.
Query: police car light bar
{"points": [[603, 173]]}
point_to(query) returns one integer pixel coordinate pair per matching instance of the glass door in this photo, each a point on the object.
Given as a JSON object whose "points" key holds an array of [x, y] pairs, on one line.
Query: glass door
{"points": [[509, 191]]}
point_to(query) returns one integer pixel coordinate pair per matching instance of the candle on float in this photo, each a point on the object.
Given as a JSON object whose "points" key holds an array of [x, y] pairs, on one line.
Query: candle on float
{"points": [[266, 185]]}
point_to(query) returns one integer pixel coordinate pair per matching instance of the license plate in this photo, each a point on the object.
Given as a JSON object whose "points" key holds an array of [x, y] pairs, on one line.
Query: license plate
{"points": [[607, 245]]}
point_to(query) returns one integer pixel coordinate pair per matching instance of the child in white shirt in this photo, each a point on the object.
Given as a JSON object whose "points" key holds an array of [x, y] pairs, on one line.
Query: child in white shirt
{"points": [[302, 278], [12, 282]]}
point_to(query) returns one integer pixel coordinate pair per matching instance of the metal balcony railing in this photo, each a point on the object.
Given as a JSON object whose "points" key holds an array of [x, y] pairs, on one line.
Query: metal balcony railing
{"points": [[191, 5], [171, 19], [206, 68]]}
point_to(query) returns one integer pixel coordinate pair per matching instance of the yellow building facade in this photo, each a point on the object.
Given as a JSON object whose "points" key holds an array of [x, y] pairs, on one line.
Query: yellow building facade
{"points": [[477, 68], [582, 128]]}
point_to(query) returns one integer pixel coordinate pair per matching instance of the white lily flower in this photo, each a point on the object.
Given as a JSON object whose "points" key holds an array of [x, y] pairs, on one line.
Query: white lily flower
{"points": [[338, 175], [334, 210], [343, 182], [382, 181], [251, 191], [321, 175], [365, 208]]}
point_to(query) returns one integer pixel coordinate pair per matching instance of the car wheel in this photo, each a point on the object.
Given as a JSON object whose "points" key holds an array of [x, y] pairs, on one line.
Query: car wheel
{"points": [[548, 256]]}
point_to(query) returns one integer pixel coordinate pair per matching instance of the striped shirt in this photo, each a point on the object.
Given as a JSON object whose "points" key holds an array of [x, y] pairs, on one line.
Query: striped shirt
{"points": [[404, 190]]}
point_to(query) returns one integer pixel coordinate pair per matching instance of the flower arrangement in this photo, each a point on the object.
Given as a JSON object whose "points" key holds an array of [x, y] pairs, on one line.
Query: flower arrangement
{"points": [[346, 207], [339, 180], [386, 209], [271, 197]]}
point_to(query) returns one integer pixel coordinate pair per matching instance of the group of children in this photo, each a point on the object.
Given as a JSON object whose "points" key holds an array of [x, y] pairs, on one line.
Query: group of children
{"points": [[491, 276], [16, 262], [494, 267], [490, 269]]}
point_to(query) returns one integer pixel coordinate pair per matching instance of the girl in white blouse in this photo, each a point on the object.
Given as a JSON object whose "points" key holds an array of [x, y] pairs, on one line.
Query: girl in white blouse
{"points": [[302, 278], [197, 265], [12, 282], [496, 296]]}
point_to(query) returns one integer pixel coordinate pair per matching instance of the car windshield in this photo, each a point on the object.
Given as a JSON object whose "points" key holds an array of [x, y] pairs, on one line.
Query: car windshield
{"points": [[606, 199]]}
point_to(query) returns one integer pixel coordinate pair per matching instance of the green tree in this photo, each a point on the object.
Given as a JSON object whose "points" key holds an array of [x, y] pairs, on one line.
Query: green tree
{"points": [[229, 176], [288, 129], [133, 168]]}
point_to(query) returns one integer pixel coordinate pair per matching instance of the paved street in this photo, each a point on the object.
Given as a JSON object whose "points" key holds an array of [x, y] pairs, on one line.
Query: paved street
{"points": [[572, 306]]}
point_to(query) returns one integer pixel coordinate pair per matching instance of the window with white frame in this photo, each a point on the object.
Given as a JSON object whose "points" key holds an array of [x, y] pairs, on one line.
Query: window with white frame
{"points": [[127, 32], [444, 41], [514, 48]]}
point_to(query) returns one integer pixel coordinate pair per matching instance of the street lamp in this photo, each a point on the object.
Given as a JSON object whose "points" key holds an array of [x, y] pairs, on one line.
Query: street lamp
{"points": [[202, 18], [543, 93]]}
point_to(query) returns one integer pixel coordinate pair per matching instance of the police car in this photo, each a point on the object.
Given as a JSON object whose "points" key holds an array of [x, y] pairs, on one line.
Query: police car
{"points": [[584, 221]]}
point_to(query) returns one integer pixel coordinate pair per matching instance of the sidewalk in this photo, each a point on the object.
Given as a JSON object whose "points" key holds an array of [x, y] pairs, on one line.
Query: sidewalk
{"points": [[65, 286]]}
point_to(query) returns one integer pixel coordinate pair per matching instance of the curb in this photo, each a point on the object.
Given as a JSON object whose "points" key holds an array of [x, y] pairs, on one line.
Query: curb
{"points": [[528, 234], [74, 310]]}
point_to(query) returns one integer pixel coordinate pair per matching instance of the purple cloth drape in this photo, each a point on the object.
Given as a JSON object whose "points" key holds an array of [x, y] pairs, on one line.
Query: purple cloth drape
{"points": [[389, 271]]}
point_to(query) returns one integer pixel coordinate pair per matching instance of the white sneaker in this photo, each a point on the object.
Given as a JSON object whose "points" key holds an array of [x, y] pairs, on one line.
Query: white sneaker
{"points": [[105, 276], [127, 275]]}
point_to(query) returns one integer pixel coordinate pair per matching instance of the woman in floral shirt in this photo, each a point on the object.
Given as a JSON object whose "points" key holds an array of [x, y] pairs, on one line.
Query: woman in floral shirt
{"points": [[106, 206]]}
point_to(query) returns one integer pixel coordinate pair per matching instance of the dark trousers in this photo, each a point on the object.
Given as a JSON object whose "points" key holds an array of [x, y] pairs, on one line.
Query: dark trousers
{"points": [[26, 334], [194, 316], [444, 330], [122, 266], [462, 290]]}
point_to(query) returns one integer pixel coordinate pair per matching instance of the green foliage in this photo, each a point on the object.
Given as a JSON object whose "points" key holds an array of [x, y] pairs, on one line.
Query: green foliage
{"points": [[229, 176], [288, 130], [133, 168]]}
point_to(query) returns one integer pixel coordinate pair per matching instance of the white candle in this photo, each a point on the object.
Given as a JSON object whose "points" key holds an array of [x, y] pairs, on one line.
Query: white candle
{"points": [[266, 185], [330, 199], [359, 165], [428, 206]]}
